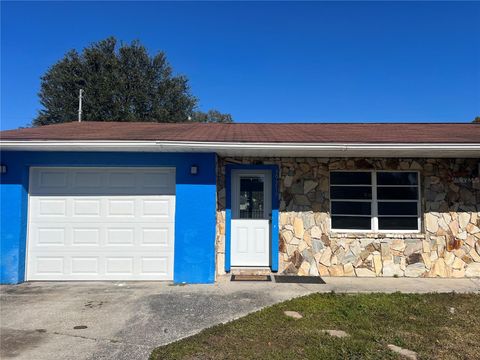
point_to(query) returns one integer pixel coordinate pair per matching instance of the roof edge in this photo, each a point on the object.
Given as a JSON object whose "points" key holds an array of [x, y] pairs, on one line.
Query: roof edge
{"points": [[34, 142], [255, 149]]}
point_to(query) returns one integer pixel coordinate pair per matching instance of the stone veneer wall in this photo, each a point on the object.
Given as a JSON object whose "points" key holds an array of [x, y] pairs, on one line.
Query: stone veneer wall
{"points": [[450, 202]]}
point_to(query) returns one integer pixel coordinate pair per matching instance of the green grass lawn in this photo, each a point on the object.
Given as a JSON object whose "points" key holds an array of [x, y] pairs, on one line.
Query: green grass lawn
{"points": [[422, 323]]}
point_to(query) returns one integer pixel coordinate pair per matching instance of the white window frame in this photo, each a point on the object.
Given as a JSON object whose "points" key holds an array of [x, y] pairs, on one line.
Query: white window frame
{"points": [[374, 204]]}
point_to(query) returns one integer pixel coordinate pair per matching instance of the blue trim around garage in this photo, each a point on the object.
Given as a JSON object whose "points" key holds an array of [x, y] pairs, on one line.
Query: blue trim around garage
{"points": [[228, 211], [194, 260]]}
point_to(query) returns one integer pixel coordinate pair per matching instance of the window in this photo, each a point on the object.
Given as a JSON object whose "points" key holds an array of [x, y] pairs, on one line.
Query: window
{"points": [[397, 200], [351, 194], [374, 201], [251, 198]]}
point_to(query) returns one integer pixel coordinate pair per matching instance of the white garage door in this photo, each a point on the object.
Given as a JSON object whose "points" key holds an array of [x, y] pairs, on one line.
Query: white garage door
{"points": [[101, 224]]}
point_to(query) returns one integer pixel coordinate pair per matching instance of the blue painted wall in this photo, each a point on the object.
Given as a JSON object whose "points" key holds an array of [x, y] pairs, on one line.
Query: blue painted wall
{"points": [[194, 260]]}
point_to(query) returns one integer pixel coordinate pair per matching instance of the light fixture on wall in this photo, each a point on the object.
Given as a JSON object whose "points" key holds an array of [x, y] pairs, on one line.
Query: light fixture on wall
{"points": [[194, 170], [3, 169]]}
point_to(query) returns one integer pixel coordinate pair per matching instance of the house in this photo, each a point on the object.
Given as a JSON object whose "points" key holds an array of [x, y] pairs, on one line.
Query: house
{"points": [[188, 202]]}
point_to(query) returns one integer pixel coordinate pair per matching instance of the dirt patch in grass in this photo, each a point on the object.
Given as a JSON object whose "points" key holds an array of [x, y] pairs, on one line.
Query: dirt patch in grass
{"points": [[423, 323]]}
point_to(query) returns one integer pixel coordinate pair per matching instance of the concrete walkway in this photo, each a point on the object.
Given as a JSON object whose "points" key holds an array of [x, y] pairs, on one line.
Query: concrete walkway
{"points": [[112, 320]]}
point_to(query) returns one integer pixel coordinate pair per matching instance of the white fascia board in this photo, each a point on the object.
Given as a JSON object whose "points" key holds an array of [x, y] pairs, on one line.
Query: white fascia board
{"points": [[321, 146], [254, 149], [77, 145]]}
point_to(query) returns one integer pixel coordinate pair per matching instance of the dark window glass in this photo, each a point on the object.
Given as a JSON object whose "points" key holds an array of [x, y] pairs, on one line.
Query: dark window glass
{"points": [[397, 178], [351, 192], [251, 198], [351, 208], [397, 193], [351, 223], [397, 223], [397, 208], [350, 178]]}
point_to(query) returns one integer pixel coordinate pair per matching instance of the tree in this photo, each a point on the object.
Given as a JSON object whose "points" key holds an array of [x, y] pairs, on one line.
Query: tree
{"points": [[476, 120], [120, 83], [212, 116]]}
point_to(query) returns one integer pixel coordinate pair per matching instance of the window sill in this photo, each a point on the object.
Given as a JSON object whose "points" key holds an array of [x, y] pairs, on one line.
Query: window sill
{"points": [[376, 235]]}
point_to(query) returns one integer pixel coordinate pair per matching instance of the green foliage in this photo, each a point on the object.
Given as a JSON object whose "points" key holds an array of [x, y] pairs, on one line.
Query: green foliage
{"points": [[212, 116], [476, 120], [120, 83]]}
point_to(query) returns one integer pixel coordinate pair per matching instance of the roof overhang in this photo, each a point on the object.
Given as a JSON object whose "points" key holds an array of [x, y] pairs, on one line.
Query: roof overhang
{"points": [[428, 150]]}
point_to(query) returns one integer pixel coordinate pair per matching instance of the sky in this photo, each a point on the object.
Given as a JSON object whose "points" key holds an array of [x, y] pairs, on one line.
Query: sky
{"points": [[268, 61]]}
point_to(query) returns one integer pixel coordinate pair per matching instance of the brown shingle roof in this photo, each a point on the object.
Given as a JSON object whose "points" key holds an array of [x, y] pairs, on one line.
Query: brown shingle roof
{"points": [[254, 132]]}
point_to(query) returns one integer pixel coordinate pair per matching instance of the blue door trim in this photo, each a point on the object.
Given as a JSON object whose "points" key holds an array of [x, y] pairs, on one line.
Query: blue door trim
{"points": [[228, 211]]}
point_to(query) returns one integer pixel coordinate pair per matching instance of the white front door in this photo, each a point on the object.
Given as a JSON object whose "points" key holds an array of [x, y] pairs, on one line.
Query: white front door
{"points": [[251, 214], [101, 223]]}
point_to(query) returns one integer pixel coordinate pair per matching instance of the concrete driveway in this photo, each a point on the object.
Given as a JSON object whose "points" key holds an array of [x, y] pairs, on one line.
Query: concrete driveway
{"points": [[112, 320]]}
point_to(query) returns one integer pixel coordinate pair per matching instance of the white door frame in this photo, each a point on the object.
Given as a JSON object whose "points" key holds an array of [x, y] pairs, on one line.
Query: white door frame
{"points": [[259, 230]]}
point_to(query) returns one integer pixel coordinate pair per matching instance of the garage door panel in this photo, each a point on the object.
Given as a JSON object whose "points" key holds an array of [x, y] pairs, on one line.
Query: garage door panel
{"points": [[121, 207], [102, 234], [83, 265], [155, 182], [86, 235], [109, 181], [49, 265], [119, 265], [52, 179], [155, 265], [51, 235], [162, 208], [121, 179], [52, 207], [98, 236], [92, 209], [87, 207], [98, 268], [87, 179], [157, 236], [120, 236]]}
